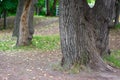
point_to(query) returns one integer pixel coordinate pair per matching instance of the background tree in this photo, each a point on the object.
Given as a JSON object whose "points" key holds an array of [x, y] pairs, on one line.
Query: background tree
{"points": [[47, 7], [5, 7], [84, 33], [23, 28], [44, 7], [39, 7], [54, 6], [117, 12]]}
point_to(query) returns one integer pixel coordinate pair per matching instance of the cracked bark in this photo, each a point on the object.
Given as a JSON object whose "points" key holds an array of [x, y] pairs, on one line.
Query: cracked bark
{"points": [[84, 33]]}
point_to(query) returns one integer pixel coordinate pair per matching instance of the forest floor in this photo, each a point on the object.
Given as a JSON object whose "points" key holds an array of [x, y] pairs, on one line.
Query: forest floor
{"points": [[41, 65]]}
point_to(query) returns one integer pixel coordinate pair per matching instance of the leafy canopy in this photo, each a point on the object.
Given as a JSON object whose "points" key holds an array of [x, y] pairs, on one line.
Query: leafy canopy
{"points": [[7, 5]]}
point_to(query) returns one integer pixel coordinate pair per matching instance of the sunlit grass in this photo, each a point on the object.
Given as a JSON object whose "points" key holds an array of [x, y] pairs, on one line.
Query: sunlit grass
{"points": [[114, 59], [46, 42], [7, 45], [43, 43]]}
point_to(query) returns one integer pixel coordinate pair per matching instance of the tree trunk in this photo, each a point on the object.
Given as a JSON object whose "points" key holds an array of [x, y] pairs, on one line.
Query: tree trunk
{"points": [[47, 8], [23, 28], [18, 17], [54, 7], [82, 40], [104, 12], [5, 20]]}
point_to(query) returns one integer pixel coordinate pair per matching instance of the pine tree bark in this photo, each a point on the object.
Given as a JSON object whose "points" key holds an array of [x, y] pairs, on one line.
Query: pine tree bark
{"points": [[23, 28], [84, 33]]}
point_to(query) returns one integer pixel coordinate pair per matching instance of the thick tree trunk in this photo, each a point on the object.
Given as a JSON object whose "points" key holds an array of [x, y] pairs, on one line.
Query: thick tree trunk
{"points": [[18, 17], [23, 28], [84, 33], [101, 16]]}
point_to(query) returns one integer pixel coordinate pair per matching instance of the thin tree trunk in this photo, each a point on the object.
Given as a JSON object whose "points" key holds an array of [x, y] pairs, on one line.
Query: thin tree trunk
{"points": [[79, 33], [54, 5], [5, 19], [47, 8]]}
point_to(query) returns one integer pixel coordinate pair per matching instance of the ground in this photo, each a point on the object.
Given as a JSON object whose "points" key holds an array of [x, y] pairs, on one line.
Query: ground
{"points": [[40, 65]]}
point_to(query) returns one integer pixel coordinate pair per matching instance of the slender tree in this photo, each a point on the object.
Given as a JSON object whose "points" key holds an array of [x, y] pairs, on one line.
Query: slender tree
{"points": [[54, 7], [5, 18], [23, 29], [54, 4], [47, 8], [84, 33], [5, 6]]}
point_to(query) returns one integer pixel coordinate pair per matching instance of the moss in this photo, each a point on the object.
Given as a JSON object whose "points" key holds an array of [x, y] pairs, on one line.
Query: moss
{"points": [[75, 69]]}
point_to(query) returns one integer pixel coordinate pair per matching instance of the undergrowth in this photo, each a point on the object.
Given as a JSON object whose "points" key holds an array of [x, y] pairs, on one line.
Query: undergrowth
{"points": [[43, 43], [113, 59], [49, 43]]}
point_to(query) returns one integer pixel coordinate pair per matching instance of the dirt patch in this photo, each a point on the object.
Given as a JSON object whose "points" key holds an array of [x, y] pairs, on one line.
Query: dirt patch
{"points": [[114, 39], [36, 65]]}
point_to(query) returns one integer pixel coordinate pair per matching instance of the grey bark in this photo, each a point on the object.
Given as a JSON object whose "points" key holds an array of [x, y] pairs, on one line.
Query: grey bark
{"points": [[18, 16], [102, 14], [18, 19], [84, 33]]}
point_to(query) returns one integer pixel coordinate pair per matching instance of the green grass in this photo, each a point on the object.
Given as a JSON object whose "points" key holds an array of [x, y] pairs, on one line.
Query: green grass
{"points": [[46, 42], [43, 43], [7, 45], [49, 43], [117, 26], [114, 59]]}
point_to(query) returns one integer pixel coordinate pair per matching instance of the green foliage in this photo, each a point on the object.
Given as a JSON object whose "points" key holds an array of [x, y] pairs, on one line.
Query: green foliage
{"points": [[6, 45], [117, 26], [40, 3], [44, 43], [9, 5], [114, 59], [42, 6], [90, 1], [51, 7]]}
